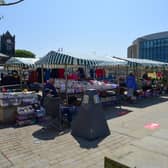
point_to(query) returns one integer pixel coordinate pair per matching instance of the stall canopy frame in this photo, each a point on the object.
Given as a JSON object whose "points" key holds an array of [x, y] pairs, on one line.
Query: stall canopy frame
{"points": [[21, 62], [143, 62]]}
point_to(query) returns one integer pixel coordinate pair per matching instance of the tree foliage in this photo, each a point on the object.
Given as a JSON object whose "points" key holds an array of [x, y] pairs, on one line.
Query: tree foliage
{"points": [[24, 54]]}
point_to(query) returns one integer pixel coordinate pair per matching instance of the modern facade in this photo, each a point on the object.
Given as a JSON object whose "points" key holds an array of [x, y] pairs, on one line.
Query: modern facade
{"points": [[153, 46]]}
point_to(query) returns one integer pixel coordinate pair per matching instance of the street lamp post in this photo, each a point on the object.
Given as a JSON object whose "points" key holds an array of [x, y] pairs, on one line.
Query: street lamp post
{"points": [[3, 3]]}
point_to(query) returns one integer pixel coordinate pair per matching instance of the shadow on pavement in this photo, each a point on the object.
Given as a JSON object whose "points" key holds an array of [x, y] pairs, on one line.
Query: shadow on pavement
{"points": [[113, 112], [49, 133], [148, 102], [88, 144], [12, 125]]}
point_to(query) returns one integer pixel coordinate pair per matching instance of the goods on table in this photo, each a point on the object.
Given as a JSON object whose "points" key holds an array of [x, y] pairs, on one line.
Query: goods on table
{"points": [[29, 114], [81, 86], [17, 98], [22, 107]]}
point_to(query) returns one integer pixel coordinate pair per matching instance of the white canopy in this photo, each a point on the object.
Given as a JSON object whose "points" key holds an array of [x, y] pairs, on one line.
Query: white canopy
{"points": [[21, 61], [3, 55], [145, 62]]}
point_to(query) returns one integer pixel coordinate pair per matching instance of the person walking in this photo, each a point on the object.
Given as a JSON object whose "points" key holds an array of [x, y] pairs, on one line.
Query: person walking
{"points": [[131, 86]]}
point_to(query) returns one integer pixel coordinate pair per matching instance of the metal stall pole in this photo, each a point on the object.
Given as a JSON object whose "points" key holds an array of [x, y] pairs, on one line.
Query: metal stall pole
{"points": [[42, 74], [21, 76], [66, 83]]}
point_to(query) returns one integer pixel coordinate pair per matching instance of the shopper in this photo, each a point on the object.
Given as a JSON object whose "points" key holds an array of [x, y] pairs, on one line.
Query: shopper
{"points": [[131, 86], [49, 88], [145, 76]]}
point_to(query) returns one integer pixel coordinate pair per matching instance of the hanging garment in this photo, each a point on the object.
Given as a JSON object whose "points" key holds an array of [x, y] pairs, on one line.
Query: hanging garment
{"points": [[39, 75], [54, 73], [61, 73], [81, 73], [92, 73], [100, 73], [47, 74]]}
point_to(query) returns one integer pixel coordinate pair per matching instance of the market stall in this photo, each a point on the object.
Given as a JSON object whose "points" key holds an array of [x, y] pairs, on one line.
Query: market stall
{"points": [[19, 68], [154, 82], [16, 104], [66, 70], [113, 70]]}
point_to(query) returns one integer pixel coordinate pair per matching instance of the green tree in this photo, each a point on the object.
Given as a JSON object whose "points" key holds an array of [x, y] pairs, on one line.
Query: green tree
{"points": [[24, 54]]}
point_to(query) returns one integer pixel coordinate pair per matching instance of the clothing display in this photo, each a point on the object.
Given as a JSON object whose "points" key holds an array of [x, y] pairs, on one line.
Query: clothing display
{"points": [[80, 86], [33, 76], [92, 73], [10, 80], [81, 73], [100, 73], [47, 74], [39, 75], [61, 73], [54, 73]]}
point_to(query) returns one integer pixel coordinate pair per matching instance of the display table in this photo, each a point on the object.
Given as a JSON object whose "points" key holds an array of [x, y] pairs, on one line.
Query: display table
{"points": [[10, 101], [110, 97]]}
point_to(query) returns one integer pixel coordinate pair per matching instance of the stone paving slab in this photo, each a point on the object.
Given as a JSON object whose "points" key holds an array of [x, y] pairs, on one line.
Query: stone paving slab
{"points": [[4, 161], [133, 156], [162, 134], [153, 144]]}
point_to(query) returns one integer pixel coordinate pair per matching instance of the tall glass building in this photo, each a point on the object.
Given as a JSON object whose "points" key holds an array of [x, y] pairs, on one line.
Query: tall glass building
{"points": [[153, 46]]}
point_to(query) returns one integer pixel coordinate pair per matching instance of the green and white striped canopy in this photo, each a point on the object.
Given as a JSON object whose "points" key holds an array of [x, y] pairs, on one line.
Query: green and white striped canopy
{"points": [[56, 58]]}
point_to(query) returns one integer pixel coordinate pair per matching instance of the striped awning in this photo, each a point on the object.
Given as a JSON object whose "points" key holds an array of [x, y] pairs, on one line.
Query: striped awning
{"points": [[56, 58]]}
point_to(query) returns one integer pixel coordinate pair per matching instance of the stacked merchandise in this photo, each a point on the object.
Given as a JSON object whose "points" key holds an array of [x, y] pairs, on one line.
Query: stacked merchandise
{"points": [[109, 98], [102, 86], [9, 99], [72, 86], [80, 86], [25, 115], [22, 107], [30, 114]]}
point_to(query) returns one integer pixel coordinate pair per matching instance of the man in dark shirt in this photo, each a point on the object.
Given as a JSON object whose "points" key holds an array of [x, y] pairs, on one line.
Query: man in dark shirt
{"points": [[49, 88]]}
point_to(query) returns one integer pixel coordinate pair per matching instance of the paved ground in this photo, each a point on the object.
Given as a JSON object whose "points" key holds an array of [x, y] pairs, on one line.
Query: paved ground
{"points": [[129, 142]]}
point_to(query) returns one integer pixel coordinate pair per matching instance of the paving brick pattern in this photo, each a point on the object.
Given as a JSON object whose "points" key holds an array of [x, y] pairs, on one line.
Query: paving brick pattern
{"points": [[32, 147], [20, 148]]}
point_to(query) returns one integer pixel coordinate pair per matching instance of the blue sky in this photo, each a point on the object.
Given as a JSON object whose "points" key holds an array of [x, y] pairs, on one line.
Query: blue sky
{"points": [[84, 28]]}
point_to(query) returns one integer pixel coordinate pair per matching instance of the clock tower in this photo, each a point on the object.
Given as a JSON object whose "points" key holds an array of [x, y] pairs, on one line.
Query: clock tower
{"points": [[7, 44]]}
